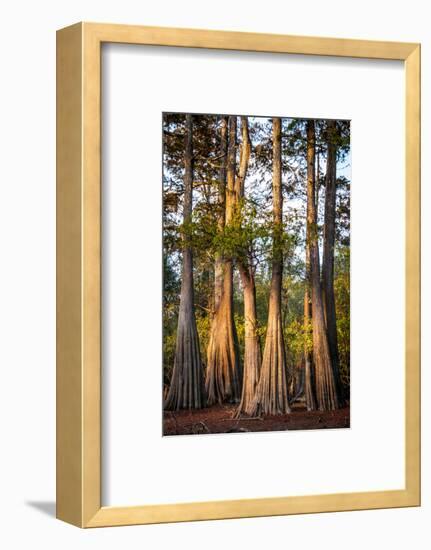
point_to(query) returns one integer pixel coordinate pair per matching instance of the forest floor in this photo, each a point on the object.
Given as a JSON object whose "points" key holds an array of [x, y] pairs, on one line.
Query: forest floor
{"points": [[220, 419]]}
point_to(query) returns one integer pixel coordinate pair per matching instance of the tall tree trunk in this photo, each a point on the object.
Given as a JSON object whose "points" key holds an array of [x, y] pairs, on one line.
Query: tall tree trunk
{"points": [[224, 376], [218, 264], [187, 384], [310, 399], [326, 391], [271, 392], [328, 254], [252, 353]]}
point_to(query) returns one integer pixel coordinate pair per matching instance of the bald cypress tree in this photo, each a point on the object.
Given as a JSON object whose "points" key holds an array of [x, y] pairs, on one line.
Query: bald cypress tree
{"points": [[328, 252], [326, 391], [252, 353], [271, 393], [186, 390], [224, 375]]}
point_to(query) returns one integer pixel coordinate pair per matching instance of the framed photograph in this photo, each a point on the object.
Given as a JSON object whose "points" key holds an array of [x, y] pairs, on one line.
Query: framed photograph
{"points": [[238, 275]]}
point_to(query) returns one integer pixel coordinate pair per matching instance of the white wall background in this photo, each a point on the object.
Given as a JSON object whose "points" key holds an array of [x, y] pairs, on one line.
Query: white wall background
{"points": [[27, 276]]}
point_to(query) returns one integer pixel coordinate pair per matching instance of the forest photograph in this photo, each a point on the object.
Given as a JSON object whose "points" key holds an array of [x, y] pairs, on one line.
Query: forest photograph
{"points": [[256, 273]]}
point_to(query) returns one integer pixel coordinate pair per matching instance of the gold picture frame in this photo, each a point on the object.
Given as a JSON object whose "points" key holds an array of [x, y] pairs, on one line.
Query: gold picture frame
{"points": [[79, 275]]}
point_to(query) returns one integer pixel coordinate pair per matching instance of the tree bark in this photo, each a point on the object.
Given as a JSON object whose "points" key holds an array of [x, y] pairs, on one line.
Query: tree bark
{"points": [[328, 254], [310, 398], [187, 384], [326, 392], [224, 375], [218, 264], [252, 353], [271, 392]]}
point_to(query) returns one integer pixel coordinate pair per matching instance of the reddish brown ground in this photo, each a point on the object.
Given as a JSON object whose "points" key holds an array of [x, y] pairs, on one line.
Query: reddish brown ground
{"points": [[219, 419]]}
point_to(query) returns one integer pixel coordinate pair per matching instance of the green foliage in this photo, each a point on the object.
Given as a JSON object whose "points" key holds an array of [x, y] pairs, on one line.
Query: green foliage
{"points": [[203, 323], [295, 337], [171, 290], [293, 317], [169, 343], [240, 329], [342, 304]]}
